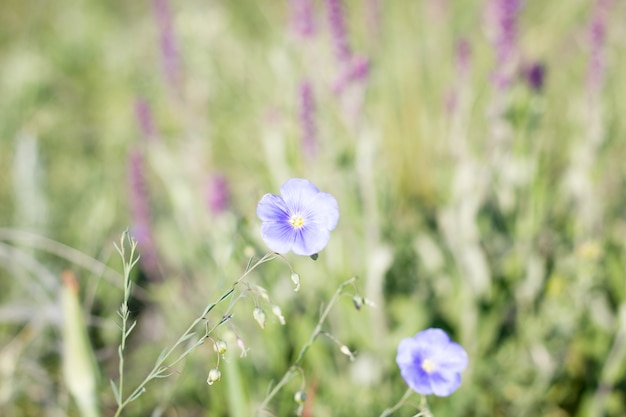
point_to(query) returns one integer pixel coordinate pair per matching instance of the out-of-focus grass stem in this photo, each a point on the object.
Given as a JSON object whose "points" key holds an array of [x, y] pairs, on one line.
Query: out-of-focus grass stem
{"points": [[423, 406], [613, 368], [74, 256], [293, 369]]}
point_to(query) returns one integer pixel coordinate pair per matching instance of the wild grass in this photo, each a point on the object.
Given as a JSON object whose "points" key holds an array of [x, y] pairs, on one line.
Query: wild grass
{"points": [[492, 210]]}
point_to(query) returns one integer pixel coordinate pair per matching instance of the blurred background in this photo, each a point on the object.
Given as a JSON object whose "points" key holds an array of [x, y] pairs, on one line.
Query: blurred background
{"points": [[475, 148]]}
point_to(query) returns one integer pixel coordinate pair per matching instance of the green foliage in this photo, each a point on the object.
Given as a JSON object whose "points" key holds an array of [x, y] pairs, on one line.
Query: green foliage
{"points": [[504, 252]]}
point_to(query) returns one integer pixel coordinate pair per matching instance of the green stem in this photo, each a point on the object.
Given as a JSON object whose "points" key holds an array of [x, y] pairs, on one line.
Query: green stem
{"points": [[291, 371], [399, 404], [159, 368], [128, 265]]}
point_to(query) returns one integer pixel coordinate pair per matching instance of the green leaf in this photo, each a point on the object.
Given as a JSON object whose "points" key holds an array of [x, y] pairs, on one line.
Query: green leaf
{"points": [[116, 393]]}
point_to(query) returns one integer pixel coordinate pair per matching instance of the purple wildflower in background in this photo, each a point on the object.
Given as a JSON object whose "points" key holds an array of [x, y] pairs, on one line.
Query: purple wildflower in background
{"points": [[503, 27], [463, 57], [307, 119], [534, 75], [300, 219], [357, 72], [337, 23], [597, 35], [169, 52], [140, 211], [218, 194], [431, 363], [302, 18], [144, 119]]}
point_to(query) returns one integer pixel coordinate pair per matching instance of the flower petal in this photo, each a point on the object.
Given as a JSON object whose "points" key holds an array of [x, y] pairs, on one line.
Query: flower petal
{"points": [[417, 379], [444, 383], [272, 208], [447, 358], [323, 211], [453, 358], [310, 240], [432, 337], [278, 236], [298, 193], [406, 352]]}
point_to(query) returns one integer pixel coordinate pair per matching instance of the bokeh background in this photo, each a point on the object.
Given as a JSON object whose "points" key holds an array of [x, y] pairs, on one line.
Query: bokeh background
{"points": [[476, 149]]}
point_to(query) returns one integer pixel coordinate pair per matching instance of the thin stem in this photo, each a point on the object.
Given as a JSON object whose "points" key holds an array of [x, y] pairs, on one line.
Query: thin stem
{"points": [[289, 374], [124, 312], [399, 404], [159, 368], [424, 410]]}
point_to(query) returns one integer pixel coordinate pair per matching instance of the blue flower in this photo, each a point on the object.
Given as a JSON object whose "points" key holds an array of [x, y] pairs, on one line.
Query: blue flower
{"points": [[431, 363], [300, 219]]}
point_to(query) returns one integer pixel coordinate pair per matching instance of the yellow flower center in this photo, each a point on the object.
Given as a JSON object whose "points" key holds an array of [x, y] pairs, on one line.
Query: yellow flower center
{"points": [[296, 221], [428, 365]]}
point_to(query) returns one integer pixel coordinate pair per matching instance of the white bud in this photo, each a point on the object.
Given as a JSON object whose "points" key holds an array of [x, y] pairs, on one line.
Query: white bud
{"points": [[346, 351], [278, 313], [242, 346], [220, 346], [295, 278], [259, 316], [357, 300], [299, 397], [214, 376], [263, 293]]}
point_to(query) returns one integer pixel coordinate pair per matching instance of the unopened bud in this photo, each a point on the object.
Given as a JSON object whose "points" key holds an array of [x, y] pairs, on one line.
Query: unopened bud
{"points": [[263, 293], [242, 346], [369, 302], [220, 346], [259, 316], [278, 313], [214, 376], [295, 278], [346, 351], [299, 397], [357, 300]]}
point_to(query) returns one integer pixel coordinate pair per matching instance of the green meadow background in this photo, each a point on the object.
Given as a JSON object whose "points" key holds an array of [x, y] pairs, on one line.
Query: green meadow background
{"points": [[495, 213]]}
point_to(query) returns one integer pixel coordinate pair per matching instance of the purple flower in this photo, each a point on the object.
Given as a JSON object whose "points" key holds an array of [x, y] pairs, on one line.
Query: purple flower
{"points": [[597, 35], [218, 194], [431, 363], [169, 50], [307, 119], [503, 27], [300, 219], [142, 218], [535, 75], [337, 23], [144, 118], [463, 57], [357, 72], [303, 18]]}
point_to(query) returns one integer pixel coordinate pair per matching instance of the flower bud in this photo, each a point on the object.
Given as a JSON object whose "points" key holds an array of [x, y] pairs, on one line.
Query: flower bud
{"points": [[278, 313], [259, 316], [242, 346], [295, 278], [357, 300], [346, 351], [214, 376], [299, 397], [263, 293], [220, 346]]}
